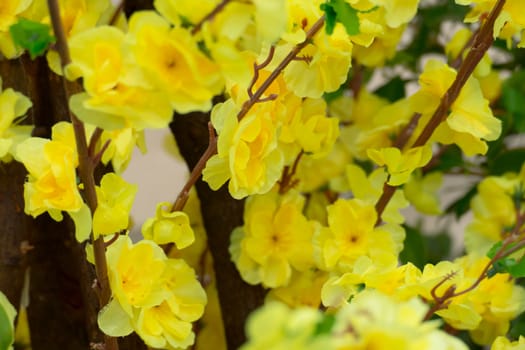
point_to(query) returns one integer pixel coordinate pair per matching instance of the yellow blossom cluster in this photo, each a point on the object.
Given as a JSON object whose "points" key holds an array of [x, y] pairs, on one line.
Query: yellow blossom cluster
{"points": [[372, 321], [509, 25], [158, 298]]}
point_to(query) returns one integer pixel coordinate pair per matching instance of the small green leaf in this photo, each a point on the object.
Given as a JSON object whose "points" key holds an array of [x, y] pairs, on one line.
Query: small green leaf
{"points": [[414, 248], [330, 18], [344, 14], [517, 327], [513, 99], [494, 249], [450, 158], [325, 325], [33, 36], [509, 161], [515, 268], [393, 90], [460, 206]]}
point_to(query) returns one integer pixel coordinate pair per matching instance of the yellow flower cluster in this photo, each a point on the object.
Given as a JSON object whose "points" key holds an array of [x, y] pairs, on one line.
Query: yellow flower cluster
{"points": [[470, 122], [372, 321], [169, 227], [494, 210], [52, 181], [158, 298], [509, 25], [275, 240], [115, 199]]}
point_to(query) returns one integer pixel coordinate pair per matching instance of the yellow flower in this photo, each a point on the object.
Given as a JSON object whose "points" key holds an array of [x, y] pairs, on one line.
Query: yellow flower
{"points": [[12, 105], [400, 165], [398, 12], [285, 328], [52, 182], [421, 191], [371, 121], [456, 46], [375, 321], [494, 212], [274, 241], [503, 343], [324, 68], [158, 297], [169, 323], [169, 227], [470, 122], [338, 246], [173, 62], [120, 147], [10, 11], [132, 284], [115, 199], [510, 22], [315, 132], [304, 289], [247, 150], [117, 94]]}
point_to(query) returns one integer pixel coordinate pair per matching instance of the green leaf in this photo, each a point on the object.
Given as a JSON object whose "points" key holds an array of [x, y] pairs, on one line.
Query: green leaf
{"points": [[7, 318], [393, 90], [414, 249], [517, 327], [508, 161], [33, 36], [494, 249], [330, 18], [325, 325], [513, 99], [344, 14], [452, 157], [462, 205], [334, 95], [515, 268], [438, 247]]}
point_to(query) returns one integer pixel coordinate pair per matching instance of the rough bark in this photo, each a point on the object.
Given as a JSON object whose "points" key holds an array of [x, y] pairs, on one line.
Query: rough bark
{"points": [[221, 214]]}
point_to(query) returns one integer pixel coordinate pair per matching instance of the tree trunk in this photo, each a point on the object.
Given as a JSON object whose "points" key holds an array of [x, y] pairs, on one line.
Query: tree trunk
{"points": [[221, 214]]}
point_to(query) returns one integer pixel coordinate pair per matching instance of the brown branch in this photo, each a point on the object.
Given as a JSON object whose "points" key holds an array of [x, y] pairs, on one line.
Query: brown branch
{"points": [[118, 11], [284, 63], [255, 98], [86, 168], [258, 67], [287, 181], [503, 252], [182, 198], [481, 44], [210, 16]]}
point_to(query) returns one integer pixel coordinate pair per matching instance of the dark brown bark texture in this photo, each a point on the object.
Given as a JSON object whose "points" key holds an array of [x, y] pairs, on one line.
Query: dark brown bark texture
{"points": [[221, 214], [63, 305], [58, 283]]}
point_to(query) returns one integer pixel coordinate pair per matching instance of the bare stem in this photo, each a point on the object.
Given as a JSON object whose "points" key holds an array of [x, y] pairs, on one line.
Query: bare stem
{"points": [[480, 45], [254, 98], [86, 166], [210, 16]]}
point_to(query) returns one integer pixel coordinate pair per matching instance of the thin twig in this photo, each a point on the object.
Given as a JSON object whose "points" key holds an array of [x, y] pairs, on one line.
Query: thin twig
{"points": [[93, 140], [86, 169], [210, 16], [255, 98], [481, 44], [118, 11]]}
